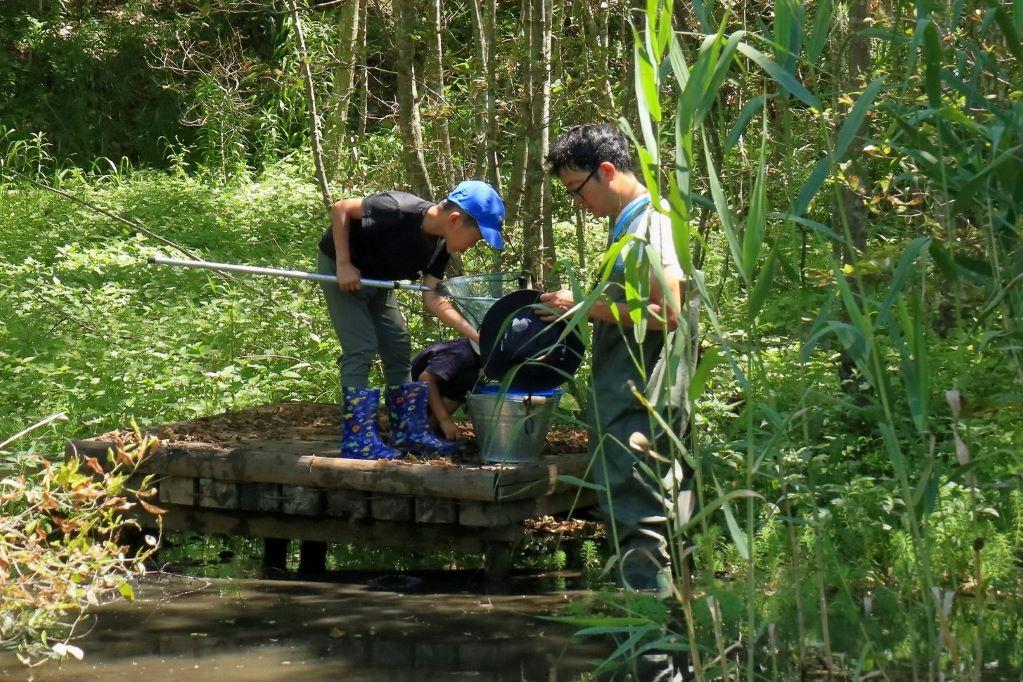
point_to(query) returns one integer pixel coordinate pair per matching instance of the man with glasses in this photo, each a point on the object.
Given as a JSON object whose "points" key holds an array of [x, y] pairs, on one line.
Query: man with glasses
{"points": [[594, 162]]}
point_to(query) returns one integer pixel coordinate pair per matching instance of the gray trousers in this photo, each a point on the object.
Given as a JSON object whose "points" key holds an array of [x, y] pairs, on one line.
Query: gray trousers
{"points": [[367, 322]]}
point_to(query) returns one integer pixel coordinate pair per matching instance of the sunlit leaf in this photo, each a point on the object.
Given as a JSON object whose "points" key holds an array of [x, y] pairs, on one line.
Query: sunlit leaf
{"points": [[783, 77]]}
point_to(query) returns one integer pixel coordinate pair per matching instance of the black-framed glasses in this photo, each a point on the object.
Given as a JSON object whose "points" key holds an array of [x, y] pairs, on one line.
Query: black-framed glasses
{"points": [[578, 191]]}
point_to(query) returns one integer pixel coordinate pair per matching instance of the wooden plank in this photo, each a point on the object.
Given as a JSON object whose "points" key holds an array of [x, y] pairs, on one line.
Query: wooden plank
{"points": [[541, 478], [501, 513], [297, 499], [259, 497], [182, 491], [495, 514], [313, 464], [292, 463], [391, 507], [353, 504], [436, 510], [217, 494], [417, 538]]}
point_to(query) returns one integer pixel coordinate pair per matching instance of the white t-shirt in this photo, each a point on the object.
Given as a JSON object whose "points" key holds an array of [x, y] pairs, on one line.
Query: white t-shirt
{"points": [[655, 227]]}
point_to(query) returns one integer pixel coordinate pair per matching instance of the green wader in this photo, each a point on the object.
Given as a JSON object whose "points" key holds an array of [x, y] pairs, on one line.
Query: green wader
{"points": [[632, 502]]}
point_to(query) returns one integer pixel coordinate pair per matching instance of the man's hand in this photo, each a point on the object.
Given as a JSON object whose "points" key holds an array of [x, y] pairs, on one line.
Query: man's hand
{"points": [[558, 301], [348, 277], [451, 429]]}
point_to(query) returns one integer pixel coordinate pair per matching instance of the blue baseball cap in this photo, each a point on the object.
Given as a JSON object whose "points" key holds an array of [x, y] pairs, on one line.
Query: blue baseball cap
{"points": [[481, 201]]}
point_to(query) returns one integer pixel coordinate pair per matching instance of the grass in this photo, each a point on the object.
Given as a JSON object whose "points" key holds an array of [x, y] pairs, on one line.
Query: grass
{"points": [[91, 330]]}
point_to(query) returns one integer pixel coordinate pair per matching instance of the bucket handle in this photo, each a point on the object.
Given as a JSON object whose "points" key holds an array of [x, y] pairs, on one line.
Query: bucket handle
{"points": [[528, 427]]}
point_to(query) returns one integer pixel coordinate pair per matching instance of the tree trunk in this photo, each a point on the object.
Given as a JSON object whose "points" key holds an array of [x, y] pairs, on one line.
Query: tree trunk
{"points": [[363, 71], [479, 24], [580, 241], [335, 134], [559, 10], [605, 62], [538, 138], [544, 120], [635, 11], [410, 124], [435, 77], [853, 208], [484, 15], [528, 210], [517, 190]]}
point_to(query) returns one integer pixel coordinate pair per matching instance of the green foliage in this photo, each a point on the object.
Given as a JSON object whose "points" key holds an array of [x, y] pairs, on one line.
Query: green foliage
{"points": [[62, 525], [87, 323], [859, 489], [852, 486]]}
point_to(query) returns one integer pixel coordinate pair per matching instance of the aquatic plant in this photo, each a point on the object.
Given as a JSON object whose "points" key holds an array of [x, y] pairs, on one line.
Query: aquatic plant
{"points": [[67, 542]]}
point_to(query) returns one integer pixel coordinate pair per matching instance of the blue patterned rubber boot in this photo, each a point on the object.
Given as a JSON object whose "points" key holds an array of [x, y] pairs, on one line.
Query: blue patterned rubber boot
{"points": [[410, 426], [360, 435]]}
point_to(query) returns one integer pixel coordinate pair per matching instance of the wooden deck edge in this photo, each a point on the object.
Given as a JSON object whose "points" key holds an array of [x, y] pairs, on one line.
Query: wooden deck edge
{"points": [[241, 465], [415, 537], [489, 514]]}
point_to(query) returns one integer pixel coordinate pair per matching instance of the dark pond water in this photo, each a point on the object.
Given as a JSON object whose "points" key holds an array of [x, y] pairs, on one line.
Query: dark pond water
{"points": [[184, 628]]}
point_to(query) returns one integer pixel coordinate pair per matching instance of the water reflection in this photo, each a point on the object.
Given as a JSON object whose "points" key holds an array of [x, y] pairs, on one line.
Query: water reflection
{"points": [[193, 629]]}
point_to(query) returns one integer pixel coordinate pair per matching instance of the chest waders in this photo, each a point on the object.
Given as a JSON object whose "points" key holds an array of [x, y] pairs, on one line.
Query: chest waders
{"points": [[631, 501]]}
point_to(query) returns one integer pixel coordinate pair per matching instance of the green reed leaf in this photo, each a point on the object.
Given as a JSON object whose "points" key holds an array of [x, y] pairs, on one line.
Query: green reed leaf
{"points": [[763, 286], [753, 235], [710, 359], [738, 537], [905, 268], [746, 114], [724, 212], [785, 79], [819, 32], [933, 58]]}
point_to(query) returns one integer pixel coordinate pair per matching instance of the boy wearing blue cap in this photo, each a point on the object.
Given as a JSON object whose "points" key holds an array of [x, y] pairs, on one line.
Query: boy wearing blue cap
{"points": [[396, 236]]}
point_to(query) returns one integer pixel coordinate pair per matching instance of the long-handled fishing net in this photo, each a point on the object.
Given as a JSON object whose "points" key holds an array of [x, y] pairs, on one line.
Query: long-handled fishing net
{"points": [[472, 295]]}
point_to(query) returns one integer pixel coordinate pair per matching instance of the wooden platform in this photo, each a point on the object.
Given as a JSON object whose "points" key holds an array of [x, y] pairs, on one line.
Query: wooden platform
{"points": [[287, 482]]}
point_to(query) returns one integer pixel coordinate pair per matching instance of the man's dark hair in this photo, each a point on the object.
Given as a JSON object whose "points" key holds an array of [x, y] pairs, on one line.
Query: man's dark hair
{"points": [[585, 147], [449, 206]]}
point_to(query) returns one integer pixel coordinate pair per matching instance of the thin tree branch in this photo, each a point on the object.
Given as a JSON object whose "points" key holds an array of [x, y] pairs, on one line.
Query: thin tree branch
{"points": [[327, 5], [135, 225], [130, 223], [19, 434], [310, 93]]}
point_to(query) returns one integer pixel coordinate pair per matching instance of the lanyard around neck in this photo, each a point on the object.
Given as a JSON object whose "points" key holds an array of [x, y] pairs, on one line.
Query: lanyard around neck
{"points": [[628, 214]]}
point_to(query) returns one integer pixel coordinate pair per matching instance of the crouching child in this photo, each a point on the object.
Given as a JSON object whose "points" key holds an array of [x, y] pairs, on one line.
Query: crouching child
{"points": [[451, 370]]}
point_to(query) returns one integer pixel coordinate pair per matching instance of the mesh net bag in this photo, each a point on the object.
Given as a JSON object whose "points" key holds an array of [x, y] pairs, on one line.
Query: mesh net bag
{"points": [[473, 295]]}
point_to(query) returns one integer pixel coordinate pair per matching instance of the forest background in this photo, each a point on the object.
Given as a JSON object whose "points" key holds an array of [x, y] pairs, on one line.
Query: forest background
{"points": [[848, 176]]}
